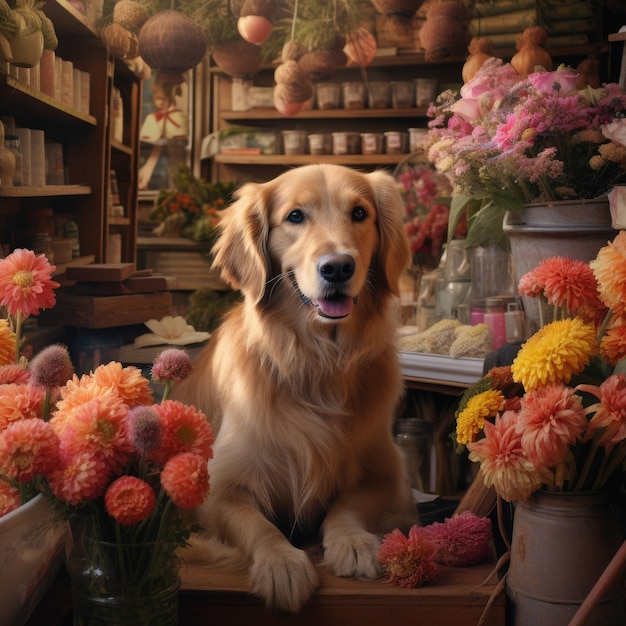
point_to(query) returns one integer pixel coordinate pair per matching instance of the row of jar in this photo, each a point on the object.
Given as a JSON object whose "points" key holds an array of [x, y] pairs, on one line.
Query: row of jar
{"points": [[401, 94], [389, 142]]}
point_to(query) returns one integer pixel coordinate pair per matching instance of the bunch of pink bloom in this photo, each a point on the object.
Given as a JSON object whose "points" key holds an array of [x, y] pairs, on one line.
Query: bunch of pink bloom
{"points": [[507, 141]]}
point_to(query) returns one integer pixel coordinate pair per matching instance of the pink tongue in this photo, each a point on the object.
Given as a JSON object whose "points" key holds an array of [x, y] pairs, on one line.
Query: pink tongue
{"points": [[336, 308]]}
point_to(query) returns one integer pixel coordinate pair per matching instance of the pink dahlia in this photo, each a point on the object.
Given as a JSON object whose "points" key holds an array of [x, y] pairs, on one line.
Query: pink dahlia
{"points": [[132, 387], [13, 374], [408, 561], [26, 284], [28, 448], [80, 478], [9, 498], [185, 429], [185, 479], [462, 540], [18, 402], [129, 500]]}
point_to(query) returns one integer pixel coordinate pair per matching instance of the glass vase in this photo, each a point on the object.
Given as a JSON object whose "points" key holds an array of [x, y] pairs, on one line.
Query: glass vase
{"points": [[127, 584]]}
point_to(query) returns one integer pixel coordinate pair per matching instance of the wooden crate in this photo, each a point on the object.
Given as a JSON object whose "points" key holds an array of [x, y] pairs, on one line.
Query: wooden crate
{"points": [[457, 598]]}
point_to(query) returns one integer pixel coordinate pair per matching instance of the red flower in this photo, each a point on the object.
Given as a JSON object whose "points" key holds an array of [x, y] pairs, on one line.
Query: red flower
{"points": [[129, 500], [185, 479]]}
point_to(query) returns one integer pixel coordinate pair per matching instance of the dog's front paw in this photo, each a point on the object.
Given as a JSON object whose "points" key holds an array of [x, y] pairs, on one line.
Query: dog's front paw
{"points": [[284, 579], [354, 554]]}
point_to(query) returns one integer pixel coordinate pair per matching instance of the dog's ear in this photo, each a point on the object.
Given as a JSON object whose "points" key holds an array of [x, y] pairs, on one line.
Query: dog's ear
{"points": [[394, 254], [240, 253]]}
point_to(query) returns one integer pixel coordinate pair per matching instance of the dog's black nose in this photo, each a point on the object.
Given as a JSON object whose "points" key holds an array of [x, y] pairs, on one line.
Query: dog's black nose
{"points": [[336, 268]]}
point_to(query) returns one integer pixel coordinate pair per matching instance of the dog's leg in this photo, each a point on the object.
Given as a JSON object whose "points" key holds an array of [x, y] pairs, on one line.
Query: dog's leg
{"points": [[282, 575]]}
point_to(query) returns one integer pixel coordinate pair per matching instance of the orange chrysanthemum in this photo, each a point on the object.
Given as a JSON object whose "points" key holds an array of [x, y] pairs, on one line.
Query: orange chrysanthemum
{"points": [[613, 344], [9, 497], [529, 285], [550, 420], [502, 459], [185, 429], [129, 500], [26, 284], [18, 402], [80, 478], [28, 448], [555, 353], [609, 268], [185, 479], [609, 414], [409, 561], [132, 387], [471, 419], [98, 426], [7, 343]]}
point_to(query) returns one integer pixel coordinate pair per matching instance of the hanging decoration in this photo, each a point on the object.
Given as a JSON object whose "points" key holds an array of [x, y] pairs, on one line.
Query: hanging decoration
{"points": [[172, 43], [255, 20]]}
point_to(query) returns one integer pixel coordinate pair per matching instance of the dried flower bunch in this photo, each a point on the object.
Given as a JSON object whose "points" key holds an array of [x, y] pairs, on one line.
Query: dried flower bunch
{"points": [[505, 141], [556, 418]]}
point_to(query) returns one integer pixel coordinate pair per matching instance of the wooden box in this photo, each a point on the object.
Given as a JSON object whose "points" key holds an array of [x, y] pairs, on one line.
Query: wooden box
{"points": [[107, 311], [456, 598]]}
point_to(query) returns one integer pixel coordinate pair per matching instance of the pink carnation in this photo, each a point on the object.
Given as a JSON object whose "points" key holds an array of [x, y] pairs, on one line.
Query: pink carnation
{"points": [[462, 540], [408, 561], [129, 500], [185, 479]]}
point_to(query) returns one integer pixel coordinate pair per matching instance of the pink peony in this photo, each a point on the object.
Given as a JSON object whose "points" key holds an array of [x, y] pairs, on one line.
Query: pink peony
{"points": [[562, 81]]}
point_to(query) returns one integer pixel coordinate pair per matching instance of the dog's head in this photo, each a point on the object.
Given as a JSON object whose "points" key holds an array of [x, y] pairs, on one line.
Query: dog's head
{"points": [[325, 232]]}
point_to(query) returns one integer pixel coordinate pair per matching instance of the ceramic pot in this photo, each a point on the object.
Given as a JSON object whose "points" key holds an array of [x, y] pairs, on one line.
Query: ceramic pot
{"points": [[26, 50], [561, 544], [576, 229]]}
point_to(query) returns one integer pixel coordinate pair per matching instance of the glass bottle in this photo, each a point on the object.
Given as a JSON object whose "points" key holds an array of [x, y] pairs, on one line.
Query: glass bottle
{"points": [[414, 437], [496, 320]]}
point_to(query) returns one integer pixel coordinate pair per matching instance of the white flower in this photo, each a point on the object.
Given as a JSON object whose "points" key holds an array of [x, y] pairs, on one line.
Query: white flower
{"points": [[170, 330]]}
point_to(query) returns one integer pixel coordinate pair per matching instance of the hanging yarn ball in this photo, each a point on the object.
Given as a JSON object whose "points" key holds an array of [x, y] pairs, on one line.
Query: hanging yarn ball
{"points": [[397, 7], [119, 41], [291, 51], [171, 42], [462, 540], [480, 50], [292, 88], [445, 32], [237, 57], [130, 14], [255, 18], [530, 53], [360, 48]]}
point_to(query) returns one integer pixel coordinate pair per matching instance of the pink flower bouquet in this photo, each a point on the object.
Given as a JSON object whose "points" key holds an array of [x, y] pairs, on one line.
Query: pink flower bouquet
{"points": [[504, 141], [556, 418]]}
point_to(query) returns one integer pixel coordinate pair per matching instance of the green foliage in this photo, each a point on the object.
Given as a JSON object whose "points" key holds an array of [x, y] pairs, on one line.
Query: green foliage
{"points": [[207, 307]]}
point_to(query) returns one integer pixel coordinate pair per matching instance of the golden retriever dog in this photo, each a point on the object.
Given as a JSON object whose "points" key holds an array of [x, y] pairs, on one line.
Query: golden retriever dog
{"points": [[302, 379]]}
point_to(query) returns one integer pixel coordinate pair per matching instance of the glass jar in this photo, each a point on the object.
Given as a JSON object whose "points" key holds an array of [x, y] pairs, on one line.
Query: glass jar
{"points": [[414, 437], [12, 142], [496, 321]]}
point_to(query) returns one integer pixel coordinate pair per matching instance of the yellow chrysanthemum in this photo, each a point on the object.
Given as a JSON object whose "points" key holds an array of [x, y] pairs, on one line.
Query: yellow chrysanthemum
{"points": [[471, 420], [555, 353], [7, 343]]}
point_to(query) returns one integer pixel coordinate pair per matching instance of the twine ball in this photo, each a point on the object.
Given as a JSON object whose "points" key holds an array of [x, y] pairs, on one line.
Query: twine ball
{"points": [[172, 42], [121, 42], [130, 14], [237, 57]]}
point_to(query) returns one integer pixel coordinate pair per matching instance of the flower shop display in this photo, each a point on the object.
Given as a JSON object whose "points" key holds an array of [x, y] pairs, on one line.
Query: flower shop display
{"points": [[504, 141], [123, 470], [190, 209], [552, 426]]}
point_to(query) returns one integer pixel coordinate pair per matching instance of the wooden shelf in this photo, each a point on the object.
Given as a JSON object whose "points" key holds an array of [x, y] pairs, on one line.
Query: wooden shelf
{"points": [[44, 191], [317, 114], [305, 159]]}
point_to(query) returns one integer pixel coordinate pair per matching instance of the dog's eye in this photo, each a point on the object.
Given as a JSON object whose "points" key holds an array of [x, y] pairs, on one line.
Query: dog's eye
{"points": [[296, 216], [359, 214]]}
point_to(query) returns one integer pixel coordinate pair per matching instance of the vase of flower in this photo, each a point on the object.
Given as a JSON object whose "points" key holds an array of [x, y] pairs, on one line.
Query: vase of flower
{"points": [[561, 544], [569, 228], [121, 583]]}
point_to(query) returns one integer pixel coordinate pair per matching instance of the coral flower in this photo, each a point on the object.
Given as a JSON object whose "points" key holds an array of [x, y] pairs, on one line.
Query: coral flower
{"points": [[26, 284], [7, 343], [609, 268], [132, 387], [609, 414], [80, 478], [613, 344], [462, 540], [408, 561], [471, 419], [550, 420], [129, 500], [13, 374], [503, 461], [9, 498], [28, 448], [18, 402], [555, 353], [185, 479], [185, 429]]}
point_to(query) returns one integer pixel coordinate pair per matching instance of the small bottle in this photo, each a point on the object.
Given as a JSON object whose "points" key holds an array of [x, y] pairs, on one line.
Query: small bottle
{"points": [[12, 142], [70, 231], [414, 437], [496, 321]]}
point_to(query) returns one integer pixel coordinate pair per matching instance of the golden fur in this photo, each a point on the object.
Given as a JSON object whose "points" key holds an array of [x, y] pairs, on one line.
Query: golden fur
{"points": [[301, 380]]}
